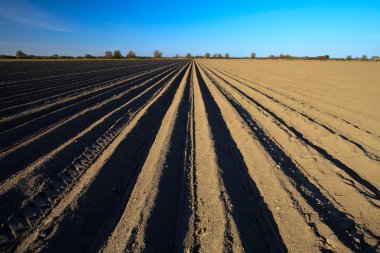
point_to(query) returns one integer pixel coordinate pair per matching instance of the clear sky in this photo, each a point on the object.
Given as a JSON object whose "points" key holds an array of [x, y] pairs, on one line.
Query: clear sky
{"points": [[76, 27]]}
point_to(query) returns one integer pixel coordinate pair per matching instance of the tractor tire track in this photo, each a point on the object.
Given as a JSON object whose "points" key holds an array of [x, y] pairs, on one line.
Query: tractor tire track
{"points": [[36, 93], [177, 156], [49, 120], [11, 161], [84, 163], [38, 105], [52, 162]]}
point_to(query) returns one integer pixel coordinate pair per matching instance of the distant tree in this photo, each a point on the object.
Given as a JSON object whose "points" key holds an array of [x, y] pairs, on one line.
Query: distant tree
{"points": [[364, 57], [220, 56], [323, 57], [88, 56], [253, 55], [108, 54], [157, 54], [349, 58], [131, 54], [20, 54], [207, 55], [285, 56], [271, 56], [176, 56], [375, 58], [227, 56], [117, 54], [188, 56]]}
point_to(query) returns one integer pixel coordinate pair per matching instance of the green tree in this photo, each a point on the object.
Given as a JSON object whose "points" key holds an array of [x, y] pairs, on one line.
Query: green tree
{"points": [[220, 56], [364, 57], [253, 55], [157, 54], [131, 54], [227, 56], [349, 58], [188, 56], [117, 54], [20, 54], [108, 54], [207, 55], [88, 56]]}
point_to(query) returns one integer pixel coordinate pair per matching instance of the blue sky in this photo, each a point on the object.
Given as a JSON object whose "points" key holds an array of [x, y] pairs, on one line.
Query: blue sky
{"points": [[335, 27]]}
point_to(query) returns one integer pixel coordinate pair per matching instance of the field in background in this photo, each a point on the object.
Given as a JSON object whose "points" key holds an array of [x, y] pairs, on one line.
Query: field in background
{"points": [[199, 156]]}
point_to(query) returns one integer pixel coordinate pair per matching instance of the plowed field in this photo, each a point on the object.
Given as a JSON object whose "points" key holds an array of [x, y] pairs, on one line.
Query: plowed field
{"points": [[189, 156]]}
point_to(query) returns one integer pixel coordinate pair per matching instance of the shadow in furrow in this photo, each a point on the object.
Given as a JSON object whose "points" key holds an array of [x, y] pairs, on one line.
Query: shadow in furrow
{"points": [[358, 145], [375, 191], [24, 92], [161, 231], [24, 132], [98, 211], [338, 221], [256, 226], [25, 96], [14, 198], [96, 92], [53, 75], [17, 160]]}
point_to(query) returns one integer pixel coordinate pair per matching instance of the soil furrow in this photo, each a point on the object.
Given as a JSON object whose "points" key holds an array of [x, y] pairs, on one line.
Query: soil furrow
{"points": [[32, 116], [349, 234], [372, 190], [254, 221], [52, 162], [187, 222], [207, 223], [122, 218], [204, 155], [310, 108], [47, 102], [160, 234], [34, 93], [50, 120], [367, 152], [82, 72], [27, 96], [157, 102], [12, 163]]}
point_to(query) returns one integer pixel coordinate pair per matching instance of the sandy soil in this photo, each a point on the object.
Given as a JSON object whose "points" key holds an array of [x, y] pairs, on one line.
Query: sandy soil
{"points": [[191, 156]]}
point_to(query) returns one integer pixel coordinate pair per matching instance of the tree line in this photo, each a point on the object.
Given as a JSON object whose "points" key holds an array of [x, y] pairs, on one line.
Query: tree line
{"points": [[290, 57], [116, 54]]}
